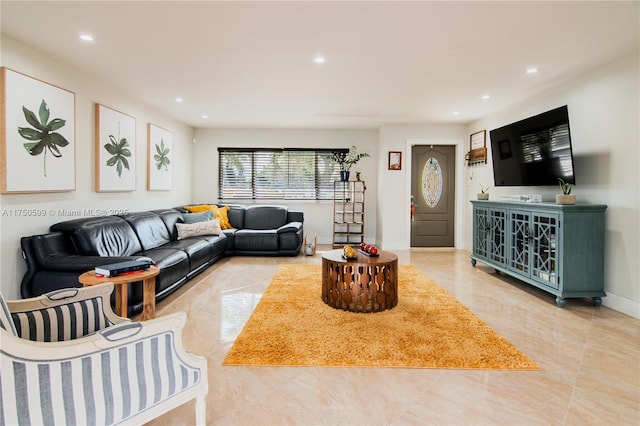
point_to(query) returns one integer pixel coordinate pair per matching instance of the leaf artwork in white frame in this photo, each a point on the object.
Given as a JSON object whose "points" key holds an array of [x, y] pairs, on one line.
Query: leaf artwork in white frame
{"points": [[160, 158], [115, 150], [37, 142]]}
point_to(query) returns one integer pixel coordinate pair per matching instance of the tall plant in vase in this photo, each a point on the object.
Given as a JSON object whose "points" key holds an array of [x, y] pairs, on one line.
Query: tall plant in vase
{"points": [[347, 159]]}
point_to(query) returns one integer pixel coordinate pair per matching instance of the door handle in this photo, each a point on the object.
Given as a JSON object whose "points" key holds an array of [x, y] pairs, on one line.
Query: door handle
{"points": [[412, 209]]}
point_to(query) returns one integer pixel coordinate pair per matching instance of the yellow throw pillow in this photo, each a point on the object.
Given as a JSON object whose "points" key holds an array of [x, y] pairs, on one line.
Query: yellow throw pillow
{"points": [[221, 213], [218, 213], [200, 208]]}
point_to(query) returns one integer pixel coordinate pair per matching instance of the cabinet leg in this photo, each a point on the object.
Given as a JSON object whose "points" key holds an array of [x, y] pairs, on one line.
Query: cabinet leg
{"points": [[597, 301], [560, 302], [473, 262]]}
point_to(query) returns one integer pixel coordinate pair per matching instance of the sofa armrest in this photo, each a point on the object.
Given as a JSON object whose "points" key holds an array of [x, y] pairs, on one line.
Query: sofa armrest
{"points": [[290, 227], [295, 216]]}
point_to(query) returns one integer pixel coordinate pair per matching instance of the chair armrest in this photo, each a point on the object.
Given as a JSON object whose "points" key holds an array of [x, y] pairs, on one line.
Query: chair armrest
{"points": [[64, 314], [290, 227], [129, 373]]}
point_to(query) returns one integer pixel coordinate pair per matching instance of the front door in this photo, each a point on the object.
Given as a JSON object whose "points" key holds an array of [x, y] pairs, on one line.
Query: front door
{"points": [[433, 195]]}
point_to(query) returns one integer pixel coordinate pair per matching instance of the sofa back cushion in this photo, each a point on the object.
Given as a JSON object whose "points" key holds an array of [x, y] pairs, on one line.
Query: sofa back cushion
{"points": [[101, 236], [170, 217], [150, 229], [265, 217], [236, 215]]}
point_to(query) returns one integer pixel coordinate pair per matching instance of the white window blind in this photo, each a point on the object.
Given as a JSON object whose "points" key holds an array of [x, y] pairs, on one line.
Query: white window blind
{"points": [[286, 174]]}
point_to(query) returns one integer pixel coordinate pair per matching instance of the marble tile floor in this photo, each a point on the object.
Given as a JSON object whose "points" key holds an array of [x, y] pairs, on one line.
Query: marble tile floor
{"points": [[589, 358]]}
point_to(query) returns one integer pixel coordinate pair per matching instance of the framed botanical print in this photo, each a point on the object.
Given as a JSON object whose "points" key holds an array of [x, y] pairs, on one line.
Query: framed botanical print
{"points": [[159, 158], [37, 142], [115, 150]]}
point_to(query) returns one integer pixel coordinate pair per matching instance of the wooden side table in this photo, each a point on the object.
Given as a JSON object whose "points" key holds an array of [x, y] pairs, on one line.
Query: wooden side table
{"points": [[148, 277], [365, 284]]}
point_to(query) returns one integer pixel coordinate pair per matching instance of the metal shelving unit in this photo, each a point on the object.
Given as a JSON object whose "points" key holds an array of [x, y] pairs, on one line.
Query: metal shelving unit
{"points": [[348, 212]]}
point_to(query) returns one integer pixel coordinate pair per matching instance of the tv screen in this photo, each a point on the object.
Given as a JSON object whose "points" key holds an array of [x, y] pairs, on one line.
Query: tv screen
{"points": [[535, 151]]}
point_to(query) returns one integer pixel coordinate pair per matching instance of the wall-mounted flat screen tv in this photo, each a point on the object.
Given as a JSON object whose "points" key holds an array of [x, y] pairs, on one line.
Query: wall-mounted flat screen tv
{"points": [[535, 151]]}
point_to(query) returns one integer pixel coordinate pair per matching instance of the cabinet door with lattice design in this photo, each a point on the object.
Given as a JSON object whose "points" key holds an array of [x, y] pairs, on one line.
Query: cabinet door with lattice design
{"points": [[544, 241], [481, 232], [498, 236], [520, 237]]}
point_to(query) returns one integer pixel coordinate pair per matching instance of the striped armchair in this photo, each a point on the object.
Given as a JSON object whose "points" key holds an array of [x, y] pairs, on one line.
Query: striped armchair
{"points": [[66, 358]]}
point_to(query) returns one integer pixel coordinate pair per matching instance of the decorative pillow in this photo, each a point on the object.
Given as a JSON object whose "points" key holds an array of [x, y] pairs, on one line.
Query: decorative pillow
{"points": [[218, 213], [199, 208], [210, 227], [223, 216], [198, 217]]}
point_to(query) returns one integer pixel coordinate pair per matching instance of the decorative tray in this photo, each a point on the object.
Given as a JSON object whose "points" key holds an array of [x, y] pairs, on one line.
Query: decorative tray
{"points": [[368, 254]]}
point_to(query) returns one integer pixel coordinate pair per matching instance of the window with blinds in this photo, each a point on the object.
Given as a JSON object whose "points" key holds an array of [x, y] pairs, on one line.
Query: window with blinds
{"points": [[286, 174]]}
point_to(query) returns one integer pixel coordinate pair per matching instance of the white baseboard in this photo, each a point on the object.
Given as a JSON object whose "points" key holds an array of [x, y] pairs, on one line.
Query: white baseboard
{"points": [[622, 304]]}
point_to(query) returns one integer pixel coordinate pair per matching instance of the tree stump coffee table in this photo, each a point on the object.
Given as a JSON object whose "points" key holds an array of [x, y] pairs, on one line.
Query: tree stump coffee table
{"points": [[364, 284]]}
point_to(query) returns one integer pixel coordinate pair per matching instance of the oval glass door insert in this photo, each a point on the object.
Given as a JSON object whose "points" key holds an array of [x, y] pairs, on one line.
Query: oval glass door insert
{"points": [[432, 182]]}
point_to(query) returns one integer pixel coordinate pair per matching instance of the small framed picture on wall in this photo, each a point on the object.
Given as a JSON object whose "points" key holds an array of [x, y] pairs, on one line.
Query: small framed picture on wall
{"points": [[395, 160]]}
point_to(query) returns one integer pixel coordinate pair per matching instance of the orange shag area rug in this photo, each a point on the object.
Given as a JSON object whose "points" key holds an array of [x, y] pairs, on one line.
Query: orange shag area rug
{"points": [[429, 328]]}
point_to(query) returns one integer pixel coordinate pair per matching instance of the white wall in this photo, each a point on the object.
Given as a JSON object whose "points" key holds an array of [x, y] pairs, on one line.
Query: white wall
{"points": [[604, 116], [317, 214], [603, 108], [88, 91], [394, 187]]}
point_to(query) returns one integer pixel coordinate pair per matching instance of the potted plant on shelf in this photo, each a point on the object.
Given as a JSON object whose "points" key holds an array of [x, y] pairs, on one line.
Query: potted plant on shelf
{"points": [[566, 197], [347, 159], [484, 193]]}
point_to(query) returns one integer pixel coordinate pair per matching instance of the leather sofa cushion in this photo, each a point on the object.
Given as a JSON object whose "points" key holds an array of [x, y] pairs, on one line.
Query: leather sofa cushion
{"points": [[150, 229], [101, 236], [256, 240], [173, 263], [236, 216], [170, 217], [198, 250], [265, 217]]}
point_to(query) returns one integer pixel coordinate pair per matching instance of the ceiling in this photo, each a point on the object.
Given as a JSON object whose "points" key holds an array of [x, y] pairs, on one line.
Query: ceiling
{"points": [[250, 64]]}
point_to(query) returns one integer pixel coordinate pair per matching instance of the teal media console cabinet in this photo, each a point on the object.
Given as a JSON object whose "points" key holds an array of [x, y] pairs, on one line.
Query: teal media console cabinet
{"points": [[557, 248]]}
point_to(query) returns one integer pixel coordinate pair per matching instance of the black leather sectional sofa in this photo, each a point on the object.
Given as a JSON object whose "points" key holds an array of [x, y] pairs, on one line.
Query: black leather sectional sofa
{"points": [[56, 259]]}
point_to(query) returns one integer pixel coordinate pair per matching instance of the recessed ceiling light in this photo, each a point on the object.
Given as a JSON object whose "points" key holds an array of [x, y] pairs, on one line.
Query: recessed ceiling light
{"points": [[86, 37], [532, 70], [205, 116], [487, 96], [319, 59], [179, 100], [456, 112]]}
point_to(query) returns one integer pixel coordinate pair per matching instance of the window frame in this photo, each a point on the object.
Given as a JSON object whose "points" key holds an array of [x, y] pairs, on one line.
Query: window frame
{"points": [[249, 187]]}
